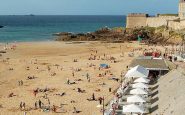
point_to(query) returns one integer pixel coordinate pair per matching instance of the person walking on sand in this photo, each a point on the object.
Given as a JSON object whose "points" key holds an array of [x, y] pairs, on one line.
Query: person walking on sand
{"points": [[75, 111], [36, 105], [73, 74], [40, 104], [54, 108], [110, 89], [24, 105], [35, 92], [20, 105], [68, 82], [93, 96], [100, 100], [87, 76], [48, 101], [45, 95], [21, 82]]}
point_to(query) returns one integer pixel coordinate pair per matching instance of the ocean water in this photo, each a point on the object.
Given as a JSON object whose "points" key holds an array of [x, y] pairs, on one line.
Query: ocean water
{"points": [[41, 28]]}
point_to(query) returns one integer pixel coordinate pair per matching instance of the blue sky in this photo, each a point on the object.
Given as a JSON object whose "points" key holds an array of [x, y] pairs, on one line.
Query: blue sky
{"points": [[86, 7]]}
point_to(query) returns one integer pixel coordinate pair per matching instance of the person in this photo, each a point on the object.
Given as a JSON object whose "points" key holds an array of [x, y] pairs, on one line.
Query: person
{"points": [[68, 82], [36, 105], [73, 74], [79, 90], [21, 82], [20, 105], [54, 108], [100, 100], [45, 96], [89, 79], [24, 105], [75, 111], [93, 96], [110, 89], [87, 75], [48, 101], [49, 68], [35, 92], [40, 104]]}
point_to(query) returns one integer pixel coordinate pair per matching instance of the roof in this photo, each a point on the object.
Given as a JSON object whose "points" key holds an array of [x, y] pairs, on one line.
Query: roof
{"points": [[151, 64], [137, 71], [140, 85], [133, 108], [138, 91], [135, 98], [141, 80]]}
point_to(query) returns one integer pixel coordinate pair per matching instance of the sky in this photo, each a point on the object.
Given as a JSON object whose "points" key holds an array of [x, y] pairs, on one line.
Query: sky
{"points": [[86, 7]]}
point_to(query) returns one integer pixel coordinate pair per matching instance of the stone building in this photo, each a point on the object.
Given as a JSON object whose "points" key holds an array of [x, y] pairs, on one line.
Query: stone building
{"points": [[182, 8], [172, 21]]}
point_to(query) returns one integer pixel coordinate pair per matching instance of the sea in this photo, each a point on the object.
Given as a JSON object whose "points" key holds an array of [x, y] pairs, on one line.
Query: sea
{"points": [[25, 28]]}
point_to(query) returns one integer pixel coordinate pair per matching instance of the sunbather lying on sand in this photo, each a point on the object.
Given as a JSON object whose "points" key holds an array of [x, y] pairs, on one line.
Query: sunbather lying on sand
{"points": [[62, 94], [80, 90], [11, 95]]}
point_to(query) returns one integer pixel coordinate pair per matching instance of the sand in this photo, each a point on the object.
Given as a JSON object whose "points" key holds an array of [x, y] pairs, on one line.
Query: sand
{"points": [[59, 56]]}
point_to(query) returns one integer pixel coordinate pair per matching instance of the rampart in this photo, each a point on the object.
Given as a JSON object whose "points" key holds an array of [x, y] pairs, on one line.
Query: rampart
{"points": [[136, 20], [159, 21]]}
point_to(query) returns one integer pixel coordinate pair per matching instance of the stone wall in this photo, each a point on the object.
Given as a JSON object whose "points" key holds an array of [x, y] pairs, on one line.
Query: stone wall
{"points": [[177, 25], [142, 20], [159, 21], [181, 9], [136, 20]]}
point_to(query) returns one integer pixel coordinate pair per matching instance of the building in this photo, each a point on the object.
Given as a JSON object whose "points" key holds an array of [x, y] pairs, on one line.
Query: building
{"points": [[156, 66], [182, 8], [172, 21]]}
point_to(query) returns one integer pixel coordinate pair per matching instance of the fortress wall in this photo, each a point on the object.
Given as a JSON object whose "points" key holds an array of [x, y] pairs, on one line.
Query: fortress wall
{"points": [[141, 20], [177, 25], [181, 9], [136, 21], [159, 21]]}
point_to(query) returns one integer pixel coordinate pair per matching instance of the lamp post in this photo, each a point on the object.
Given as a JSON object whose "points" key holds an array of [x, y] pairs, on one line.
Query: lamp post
{"points": [[103, 105]]}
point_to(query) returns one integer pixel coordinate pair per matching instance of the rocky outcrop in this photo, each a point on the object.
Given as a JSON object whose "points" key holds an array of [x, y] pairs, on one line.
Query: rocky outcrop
{"points": [[149, 35]]}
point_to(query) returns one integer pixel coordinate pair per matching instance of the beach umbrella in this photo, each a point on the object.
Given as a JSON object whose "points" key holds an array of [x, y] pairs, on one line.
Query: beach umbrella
{"points": [[132, 108], [140, 85], [135, 99], [142, 80], [138, 91], [136, 72]]}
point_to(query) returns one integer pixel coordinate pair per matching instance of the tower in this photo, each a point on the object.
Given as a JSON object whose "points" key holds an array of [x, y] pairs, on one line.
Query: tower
{"points": [[182, 8]]}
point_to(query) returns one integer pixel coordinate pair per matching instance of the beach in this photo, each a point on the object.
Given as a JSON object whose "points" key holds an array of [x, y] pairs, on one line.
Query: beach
{"points": [[55, 73]]}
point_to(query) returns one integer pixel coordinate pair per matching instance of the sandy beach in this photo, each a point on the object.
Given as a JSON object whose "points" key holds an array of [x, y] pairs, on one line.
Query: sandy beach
{"points": [[47, 67]]}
